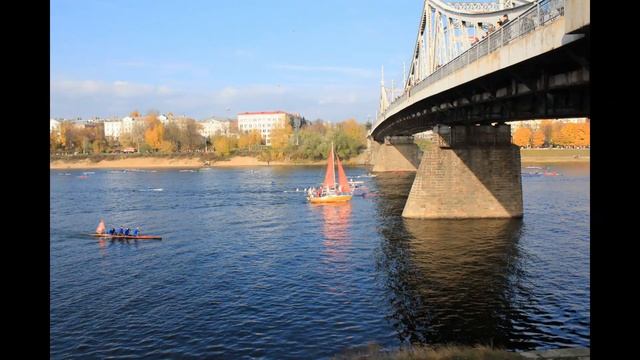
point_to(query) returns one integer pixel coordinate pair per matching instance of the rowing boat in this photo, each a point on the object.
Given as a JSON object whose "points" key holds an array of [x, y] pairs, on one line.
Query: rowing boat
{"points": [[139, 237]]}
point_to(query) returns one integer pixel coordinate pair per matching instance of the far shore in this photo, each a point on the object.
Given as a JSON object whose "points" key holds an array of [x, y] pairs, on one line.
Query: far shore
{"points": [[527, 156], [182, 163]]}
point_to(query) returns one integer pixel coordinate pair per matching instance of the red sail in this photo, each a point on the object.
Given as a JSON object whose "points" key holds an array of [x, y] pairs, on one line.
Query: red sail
{"points": [[329, 178], [342, 178]]}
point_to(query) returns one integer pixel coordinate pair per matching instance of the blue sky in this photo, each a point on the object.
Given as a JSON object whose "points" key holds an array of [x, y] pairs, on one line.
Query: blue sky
{"points": [[218, 58]]}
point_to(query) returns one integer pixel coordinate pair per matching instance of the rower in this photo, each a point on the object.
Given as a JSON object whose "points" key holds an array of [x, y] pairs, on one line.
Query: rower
{"points": [[126, 232], [112, 231], [120, 231], [136, 231]]}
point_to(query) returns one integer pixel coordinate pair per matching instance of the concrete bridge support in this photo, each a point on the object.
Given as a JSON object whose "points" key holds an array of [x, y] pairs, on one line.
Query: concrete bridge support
{"points": [[397, 153], [471, 172]]}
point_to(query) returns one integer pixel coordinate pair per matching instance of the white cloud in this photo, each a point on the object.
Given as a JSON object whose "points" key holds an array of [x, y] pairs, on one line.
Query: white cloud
{"points": [[348, 71], [87, 98]]}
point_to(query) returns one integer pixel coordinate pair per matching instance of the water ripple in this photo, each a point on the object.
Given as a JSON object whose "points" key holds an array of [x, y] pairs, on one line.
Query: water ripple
{"points": [[247, 270]]}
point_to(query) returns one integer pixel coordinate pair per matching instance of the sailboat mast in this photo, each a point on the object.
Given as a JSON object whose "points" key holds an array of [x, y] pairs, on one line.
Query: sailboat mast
{"points": [[334, 164]]}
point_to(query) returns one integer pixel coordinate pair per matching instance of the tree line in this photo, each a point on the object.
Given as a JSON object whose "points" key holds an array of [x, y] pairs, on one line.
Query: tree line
{"points": [[306, 141], [554, 134]]}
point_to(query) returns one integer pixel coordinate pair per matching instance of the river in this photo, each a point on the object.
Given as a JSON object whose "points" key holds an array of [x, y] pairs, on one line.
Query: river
{"points": [[247, 268]]}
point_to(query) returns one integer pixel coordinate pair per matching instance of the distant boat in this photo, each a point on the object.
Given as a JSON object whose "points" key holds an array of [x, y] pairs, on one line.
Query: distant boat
{"points": [[357, 188], [330, 192]]}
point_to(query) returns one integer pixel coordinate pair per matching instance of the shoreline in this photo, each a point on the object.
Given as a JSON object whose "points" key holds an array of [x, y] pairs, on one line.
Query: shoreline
{"points": [[239, 161]]}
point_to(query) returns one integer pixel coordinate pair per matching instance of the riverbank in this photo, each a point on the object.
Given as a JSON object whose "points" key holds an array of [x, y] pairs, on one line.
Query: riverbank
{"points": [[374, 352], [183, 163], [555, 155], [527, 156]]}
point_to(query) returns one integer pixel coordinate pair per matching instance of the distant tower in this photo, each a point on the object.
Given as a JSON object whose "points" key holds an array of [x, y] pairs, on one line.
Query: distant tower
{"points": [[384, 102], [404, 75]]}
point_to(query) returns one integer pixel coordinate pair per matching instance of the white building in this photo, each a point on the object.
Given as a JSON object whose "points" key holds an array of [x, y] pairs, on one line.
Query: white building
{"points": [[113, 129], [263, 122], [54, 125], [127, 124], [212, 126]]}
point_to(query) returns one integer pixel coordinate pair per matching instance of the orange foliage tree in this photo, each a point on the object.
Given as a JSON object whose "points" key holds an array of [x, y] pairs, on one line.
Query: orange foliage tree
{"points": [[154, 133], [583, 135], [222, 144], [568, 135], [249, 140], [280, 139], [557, 138], [538, 138], [522, 137]]}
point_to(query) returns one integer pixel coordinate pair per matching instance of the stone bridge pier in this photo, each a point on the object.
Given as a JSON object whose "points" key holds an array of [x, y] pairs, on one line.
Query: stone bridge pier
{"points": [[469, 172], [397, 153]]}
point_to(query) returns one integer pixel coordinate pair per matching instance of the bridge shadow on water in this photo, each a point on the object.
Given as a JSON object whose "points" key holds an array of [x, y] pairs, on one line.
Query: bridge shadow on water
{"points": [[449, 281]]}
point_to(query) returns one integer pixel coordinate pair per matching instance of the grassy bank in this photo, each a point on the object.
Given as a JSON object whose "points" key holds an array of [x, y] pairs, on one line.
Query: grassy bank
{"points": [[374, 352], [454, 352], [555, 155], [116, 161]]}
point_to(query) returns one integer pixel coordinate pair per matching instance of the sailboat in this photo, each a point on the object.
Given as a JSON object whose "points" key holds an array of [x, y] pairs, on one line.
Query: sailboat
{"points": [[330, 191]]}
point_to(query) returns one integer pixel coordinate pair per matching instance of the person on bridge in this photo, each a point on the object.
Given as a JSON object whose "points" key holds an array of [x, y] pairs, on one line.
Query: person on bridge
{"points": [[505, 19]]}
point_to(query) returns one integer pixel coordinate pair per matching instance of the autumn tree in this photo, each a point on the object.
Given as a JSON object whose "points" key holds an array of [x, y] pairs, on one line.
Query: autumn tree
{"points": [[154, 134], [356, 134], [546, 127], [66, 135], [557, 138], [522, 137], [167, 147], [249, 140], [222, 145], [311, 144], [538, 138], [280, 139], [191, 138], [134, 114], [172, 133], [54, 141], [583, 135]]}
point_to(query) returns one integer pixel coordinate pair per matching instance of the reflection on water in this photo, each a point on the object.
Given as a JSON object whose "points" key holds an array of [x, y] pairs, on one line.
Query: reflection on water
{"points": [[470, 281], [449, 280], [336, 220]]}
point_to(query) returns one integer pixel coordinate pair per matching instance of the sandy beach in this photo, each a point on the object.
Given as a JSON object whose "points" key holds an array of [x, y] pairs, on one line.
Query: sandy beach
{"points": [[186, 163], [159, 162]]}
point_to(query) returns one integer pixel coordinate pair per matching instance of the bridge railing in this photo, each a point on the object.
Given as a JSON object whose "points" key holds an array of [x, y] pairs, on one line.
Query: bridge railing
{"points": [[538, 15]]}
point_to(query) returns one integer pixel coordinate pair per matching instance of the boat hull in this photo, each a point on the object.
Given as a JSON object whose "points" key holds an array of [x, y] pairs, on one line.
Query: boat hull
{"points": [[139, 237], [330, 199]]}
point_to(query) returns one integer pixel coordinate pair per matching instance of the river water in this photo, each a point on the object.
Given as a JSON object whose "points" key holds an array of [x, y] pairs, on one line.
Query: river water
{"points": [[248, 269]]}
